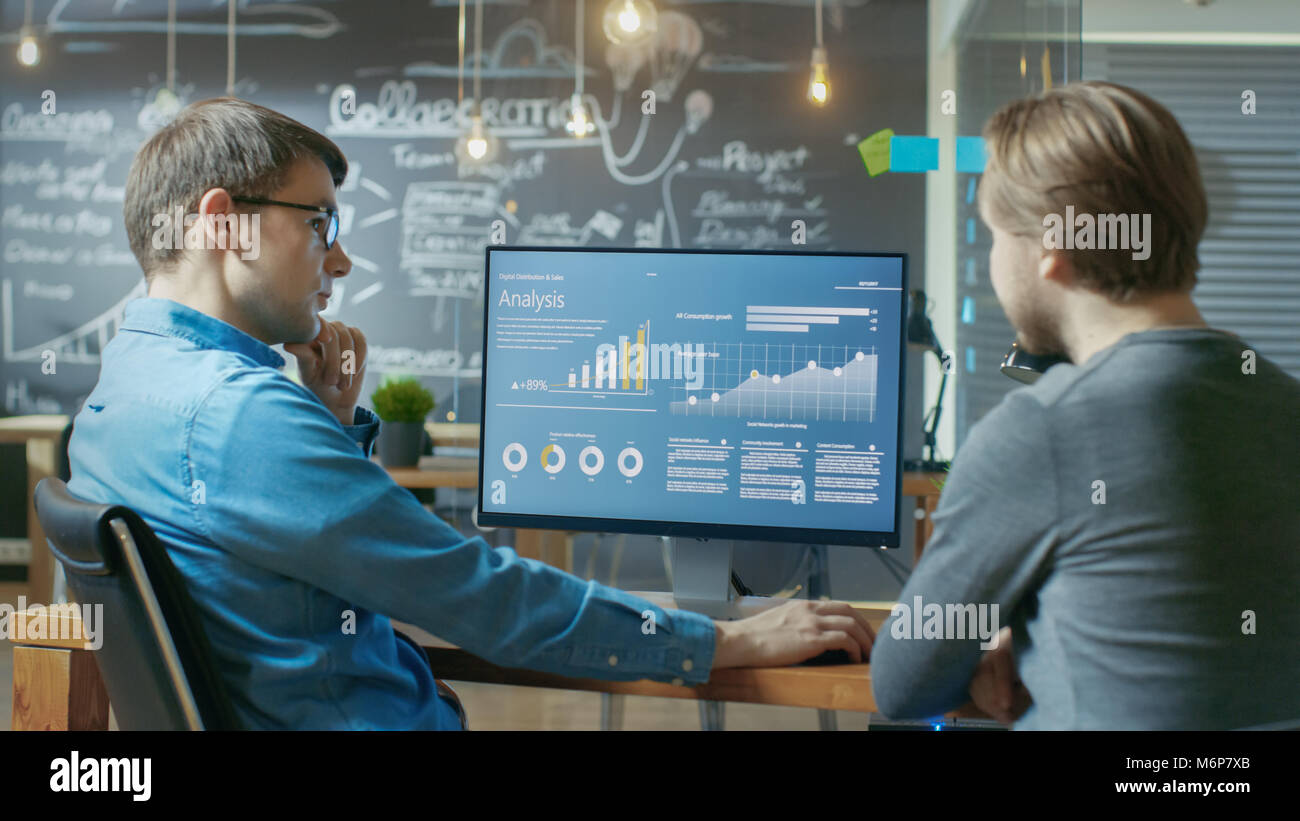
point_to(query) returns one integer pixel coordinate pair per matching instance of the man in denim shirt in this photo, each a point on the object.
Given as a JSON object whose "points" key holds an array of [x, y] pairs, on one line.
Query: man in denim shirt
{"points": [[298, 549]]}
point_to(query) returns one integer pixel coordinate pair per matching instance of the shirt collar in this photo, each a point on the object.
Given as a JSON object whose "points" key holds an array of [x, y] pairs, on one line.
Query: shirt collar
{"points": [[168, 318]]}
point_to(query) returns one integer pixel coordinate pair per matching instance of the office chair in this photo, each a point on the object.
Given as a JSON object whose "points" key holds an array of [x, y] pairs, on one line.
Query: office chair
{"points": [[155, 658]]}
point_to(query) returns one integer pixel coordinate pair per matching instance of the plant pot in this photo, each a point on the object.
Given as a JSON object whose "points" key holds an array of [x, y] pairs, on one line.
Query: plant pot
{"points": [[400, 443]]}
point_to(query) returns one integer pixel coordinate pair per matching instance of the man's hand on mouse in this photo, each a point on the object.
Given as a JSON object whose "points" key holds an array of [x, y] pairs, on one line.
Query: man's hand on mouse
{"points": [[793, 632], [996, 687], [332, 366]]}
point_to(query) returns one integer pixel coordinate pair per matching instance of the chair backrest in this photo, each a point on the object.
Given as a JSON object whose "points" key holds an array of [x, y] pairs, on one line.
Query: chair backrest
{"points": [[63, 465], [155, 658]]}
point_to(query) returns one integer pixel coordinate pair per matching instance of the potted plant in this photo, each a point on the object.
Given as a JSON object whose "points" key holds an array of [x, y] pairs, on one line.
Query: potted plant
{"points": [[401, 403]]}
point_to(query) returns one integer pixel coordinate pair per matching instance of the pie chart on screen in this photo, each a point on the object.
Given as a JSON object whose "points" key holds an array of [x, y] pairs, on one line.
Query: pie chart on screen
{"points": [[553, 458]]}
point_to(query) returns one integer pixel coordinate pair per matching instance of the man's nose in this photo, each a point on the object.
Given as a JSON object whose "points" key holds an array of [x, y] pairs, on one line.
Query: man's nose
{"points": [[337, 262]]}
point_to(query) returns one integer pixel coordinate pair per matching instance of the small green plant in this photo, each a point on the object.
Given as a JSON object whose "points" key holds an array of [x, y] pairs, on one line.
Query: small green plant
{"points": [[402, 399]]}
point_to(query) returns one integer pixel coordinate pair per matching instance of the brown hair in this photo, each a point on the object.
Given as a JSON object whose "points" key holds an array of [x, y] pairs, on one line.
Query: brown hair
{"points": [[1103, 149], [218, 143]]}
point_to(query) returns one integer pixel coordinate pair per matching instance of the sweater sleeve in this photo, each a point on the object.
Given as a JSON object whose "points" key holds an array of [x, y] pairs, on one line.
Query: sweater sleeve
{"points": [[994, 530]]}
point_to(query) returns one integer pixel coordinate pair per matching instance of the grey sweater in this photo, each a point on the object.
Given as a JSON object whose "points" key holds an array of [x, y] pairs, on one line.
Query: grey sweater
{"points": [[1175, 604]]}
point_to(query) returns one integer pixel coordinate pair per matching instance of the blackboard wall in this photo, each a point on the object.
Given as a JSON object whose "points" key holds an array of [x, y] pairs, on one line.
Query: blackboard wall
{"points": [[731, 155]]}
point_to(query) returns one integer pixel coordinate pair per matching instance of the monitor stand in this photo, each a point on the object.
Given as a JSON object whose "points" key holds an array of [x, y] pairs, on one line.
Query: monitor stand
{"points": [[702, 581]]}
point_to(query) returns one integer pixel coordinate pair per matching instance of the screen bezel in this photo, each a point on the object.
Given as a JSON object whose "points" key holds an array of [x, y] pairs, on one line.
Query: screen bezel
{"points": [[696, 530]]}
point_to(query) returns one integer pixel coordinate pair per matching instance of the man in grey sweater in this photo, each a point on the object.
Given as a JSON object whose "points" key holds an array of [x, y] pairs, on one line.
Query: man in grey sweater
{"points": [[1134, 516]]}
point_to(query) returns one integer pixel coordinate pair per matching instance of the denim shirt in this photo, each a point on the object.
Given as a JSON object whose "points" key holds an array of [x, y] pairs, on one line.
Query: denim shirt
{"points": [[298, 549]]}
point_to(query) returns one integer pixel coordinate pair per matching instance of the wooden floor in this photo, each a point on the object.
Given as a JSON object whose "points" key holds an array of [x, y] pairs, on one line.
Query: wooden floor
{"points": [[494, 707]]}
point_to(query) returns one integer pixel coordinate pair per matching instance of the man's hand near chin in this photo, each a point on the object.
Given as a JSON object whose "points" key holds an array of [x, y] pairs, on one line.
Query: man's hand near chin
{"points": [[332, 366], [996, 688]]}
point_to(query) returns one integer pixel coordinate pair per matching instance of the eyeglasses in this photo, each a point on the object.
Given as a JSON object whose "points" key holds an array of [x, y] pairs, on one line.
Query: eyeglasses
{"points": [[331, 228]]}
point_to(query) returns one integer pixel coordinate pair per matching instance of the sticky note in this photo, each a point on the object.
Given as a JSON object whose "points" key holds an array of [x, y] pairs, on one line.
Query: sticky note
{"points": [[970, 186], [970, 230], [970, 159], [914, 154], [875, 151]]}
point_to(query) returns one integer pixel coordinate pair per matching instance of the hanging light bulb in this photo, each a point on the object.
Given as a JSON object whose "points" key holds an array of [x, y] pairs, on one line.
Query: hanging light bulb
{"points": [[819, 84], [29, 51], [630, 21], [580, 123], [478, 146]]}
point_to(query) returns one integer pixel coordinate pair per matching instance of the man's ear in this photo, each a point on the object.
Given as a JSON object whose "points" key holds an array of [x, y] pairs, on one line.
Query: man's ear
{"points": [[1055, 266], [215, 202]]}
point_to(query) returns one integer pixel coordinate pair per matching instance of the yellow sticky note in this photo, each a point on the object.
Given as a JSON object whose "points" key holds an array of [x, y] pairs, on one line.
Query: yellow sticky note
{"points": [[875, 151]]}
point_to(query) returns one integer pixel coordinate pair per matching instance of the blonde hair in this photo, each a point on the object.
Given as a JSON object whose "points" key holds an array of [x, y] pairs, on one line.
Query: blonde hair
{"points": [[1103, 149]]}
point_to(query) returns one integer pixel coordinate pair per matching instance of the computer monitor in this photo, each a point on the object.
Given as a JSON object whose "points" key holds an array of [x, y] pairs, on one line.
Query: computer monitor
{"points": [[696, 394]]}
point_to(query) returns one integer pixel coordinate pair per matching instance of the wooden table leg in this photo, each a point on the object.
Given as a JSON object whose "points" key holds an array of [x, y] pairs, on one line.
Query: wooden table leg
{"points": [[40, 568], [924, 525], [56, 689]]}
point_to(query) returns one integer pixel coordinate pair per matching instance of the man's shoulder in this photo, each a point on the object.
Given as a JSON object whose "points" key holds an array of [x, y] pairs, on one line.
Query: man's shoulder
{"points": [[1159, 363], [252, 393], [1023, 411]]}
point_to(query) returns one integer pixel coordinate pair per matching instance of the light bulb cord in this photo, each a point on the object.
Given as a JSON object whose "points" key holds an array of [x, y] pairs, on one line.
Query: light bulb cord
{"points": [[577, 66], [171, 45], [230, 48], [478, 49], [460, 61]]}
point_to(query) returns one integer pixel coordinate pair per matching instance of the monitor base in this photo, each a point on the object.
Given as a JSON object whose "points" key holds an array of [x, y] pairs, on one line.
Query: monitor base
{"points": [[739, 608], [702, 581]]}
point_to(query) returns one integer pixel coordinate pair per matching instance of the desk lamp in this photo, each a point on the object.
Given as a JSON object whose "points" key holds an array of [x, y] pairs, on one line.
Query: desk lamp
{"points": [[921, 336]]}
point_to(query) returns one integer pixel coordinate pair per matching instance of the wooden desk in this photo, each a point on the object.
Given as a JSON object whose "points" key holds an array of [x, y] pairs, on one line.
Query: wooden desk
{"points": [[828, 687], [41, 435], [57, 685], [452, 434], [437, 471]]}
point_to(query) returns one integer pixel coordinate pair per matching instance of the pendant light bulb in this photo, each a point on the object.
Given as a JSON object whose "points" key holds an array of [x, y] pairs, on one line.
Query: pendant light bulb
{"points": [[819, 84], [29, 50], [477, 146], [580, 123], [630, 21]]}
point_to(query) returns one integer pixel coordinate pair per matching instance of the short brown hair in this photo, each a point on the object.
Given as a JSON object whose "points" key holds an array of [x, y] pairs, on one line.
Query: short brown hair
{"points": [[1103, 149], [218, 143]]}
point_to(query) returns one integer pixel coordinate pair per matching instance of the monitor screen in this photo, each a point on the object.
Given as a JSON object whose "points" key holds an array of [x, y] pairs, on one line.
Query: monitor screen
{"points": [[707, 394]]}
